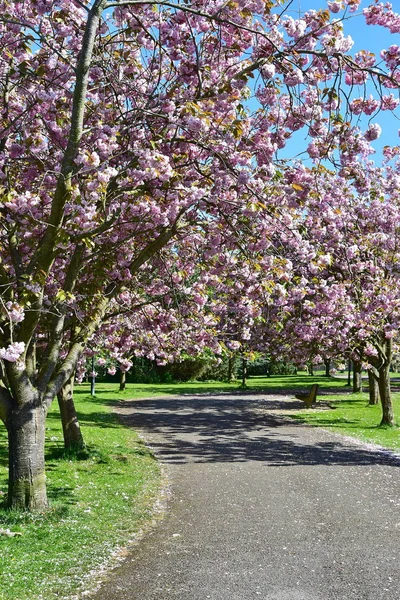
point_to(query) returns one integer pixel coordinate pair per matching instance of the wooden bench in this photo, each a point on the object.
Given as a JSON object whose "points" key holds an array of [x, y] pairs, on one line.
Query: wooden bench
{"points": [[310, 398]]}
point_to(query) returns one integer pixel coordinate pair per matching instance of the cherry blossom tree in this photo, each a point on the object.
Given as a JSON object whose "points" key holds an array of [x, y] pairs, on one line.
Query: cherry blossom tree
{"points": [[124, 126], [344, 298]]}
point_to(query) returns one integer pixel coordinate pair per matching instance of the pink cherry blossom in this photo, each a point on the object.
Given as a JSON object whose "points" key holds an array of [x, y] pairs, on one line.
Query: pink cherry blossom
{"points": [[13, 352]]}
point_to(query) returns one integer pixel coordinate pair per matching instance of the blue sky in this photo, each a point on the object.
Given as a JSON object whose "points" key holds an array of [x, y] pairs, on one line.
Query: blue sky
{"points": [[366, 37]]}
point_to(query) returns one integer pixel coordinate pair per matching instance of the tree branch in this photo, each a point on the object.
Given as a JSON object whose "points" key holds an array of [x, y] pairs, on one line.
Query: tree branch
{"points": [[68, 366], [45, 256], [5, 404], [58, 320], [154, 246]]}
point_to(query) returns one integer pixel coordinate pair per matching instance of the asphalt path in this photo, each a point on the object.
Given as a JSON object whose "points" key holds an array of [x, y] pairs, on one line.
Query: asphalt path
{"points": [[260, 507]]}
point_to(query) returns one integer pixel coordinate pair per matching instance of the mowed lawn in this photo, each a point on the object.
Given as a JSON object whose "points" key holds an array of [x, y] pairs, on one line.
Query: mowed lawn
{"points": [[99, 500], [351, 414]]}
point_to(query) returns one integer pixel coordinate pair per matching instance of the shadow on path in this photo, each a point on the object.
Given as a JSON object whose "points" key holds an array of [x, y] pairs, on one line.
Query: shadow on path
{"points": [[231, 429]]}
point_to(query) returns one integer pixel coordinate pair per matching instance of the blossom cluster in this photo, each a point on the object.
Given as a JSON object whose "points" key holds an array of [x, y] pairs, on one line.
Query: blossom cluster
{"points": [[13, 352]]}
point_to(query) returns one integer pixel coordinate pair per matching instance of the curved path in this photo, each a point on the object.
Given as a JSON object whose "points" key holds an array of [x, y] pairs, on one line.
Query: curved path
{"points": [[261, 508]]}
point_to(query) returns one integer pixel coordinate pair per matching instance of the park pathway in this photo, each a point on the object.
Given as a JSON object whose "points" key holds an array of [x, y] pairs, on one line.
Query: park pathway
{"points": [[261, 508]]}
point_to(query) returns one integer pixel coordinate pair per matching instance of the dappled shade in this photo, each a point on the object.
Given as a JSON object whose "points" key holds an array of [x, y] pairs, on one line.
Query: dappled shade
{"points": [[228, 428]]}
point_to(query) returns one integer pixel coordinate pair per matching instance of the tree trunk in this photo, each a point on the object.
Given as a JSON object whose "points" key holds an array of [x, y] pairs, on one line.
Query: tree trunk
{"points": [[93, 380], [357, 381], [73, 439], [386, 396], [244, 372], [122, 381], [310, 369], [373, 386], [231, 361], [327, 362], [26, 438]]}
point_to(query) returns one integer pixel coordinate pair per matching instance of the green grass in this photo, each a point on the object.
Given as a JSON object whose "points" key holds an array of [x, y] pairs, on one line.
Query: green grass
{"points": [[148, 390], [352, 416], [97, 502]]}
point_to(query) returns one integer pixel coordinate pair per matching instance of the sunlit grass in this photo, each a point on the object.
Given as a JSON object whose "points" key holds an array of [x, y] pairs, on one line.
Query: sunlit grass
{"points": [[352, 415], [109, 391], [97, 502]]}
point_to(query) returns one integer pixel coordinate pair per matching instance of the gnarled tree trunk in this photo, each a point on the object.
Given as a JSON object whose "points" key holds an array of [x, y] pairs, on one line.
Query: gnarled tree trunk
{"points": [[386, 396], [327, 363], [384, 385], [244, 371], [231, 361], [26, 438], [73, 438]]}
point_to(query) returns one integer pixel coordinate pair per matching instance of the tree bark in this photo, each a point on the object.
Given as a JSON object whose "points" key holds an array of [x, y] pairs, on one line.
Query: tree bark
{"points": [[310, 368], [357, 381], [386, 396], [244, 372], [122, 381], [230, 368], [384, 386], [73, 438], [373, 386], [26, 439], [327, 363]]}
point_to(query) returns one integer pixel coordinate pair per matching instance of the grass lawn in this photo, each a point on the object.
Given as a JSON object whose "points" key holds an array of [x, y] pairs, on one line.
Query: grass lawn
{"points": [[352, 416], [99, 501]]}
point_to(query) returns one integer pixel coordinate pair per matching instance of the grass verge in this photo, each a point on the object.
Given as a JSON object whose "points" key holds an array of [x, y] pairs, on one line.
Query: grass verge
{"points": [[353, 416], [98, 502]]}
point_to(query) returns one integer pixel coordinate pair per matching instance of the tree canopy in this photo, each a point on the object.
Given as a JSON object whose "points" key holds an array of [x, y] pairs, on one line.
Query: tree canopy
{"points": [[138, 135]]}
